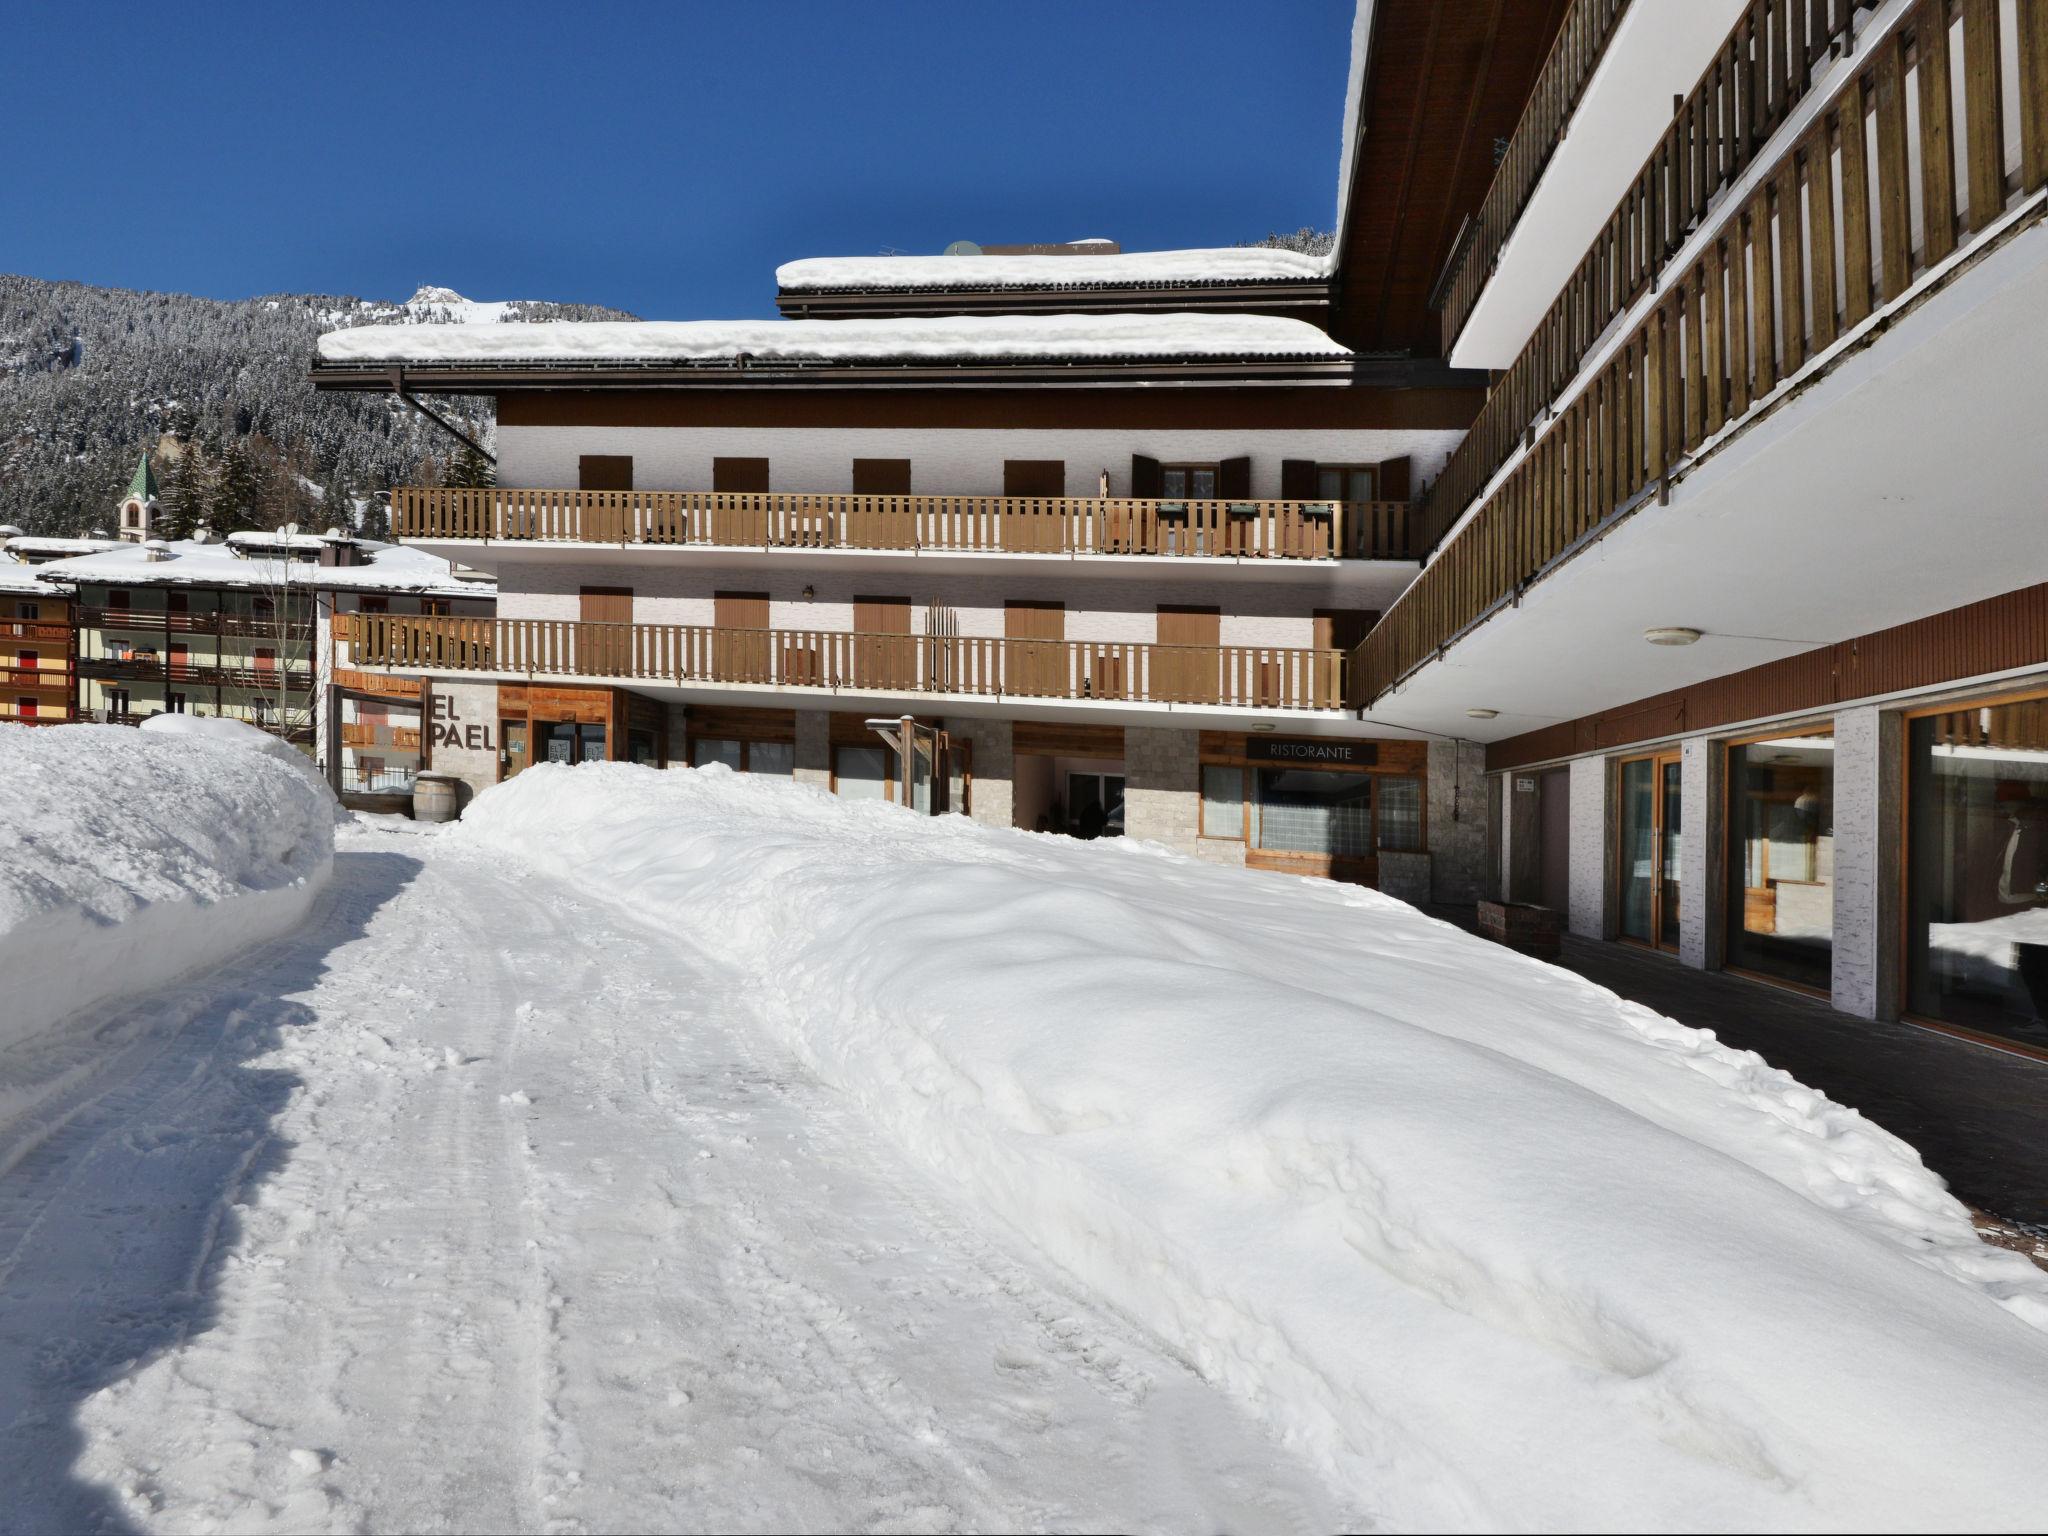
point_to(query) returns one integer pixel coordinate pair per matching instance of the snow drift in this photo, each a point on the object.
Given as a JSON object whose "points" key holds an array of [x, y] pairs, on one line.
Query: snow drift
{"points": [[1495, 1247], [130, 857]]}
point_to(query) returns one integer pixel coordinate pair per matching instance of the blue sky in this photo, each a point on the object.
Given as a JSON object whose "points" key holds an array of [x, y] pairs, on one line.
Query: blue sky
{"points": [[660, 157]]}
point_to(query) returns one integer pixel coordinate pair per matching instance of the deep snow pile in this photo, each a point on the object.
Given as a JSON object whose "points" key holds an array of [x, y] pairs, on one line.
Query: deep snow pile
{"points": [[238, 733], [1495, 1247], [130, 857]]}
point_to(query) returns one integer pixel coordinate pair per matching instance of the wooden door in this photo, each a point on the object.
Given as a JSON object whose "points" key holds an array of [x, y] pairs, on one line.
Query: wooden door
{"points": [[1034, 520], [740, 644], [1648, 820], [1034, 648], [881, 477], [604, 640], [1190, 676], [1341, 630], [603, 519], [743, 519], [884, 654]]}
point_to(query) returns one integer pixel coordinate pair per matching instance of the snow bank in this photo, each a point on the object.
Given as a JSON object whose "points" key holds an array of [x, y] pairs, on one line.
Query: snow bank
{"points": [[1495, 1247], [239, 733], [1225, 264], [130, 857], [945, 337]]}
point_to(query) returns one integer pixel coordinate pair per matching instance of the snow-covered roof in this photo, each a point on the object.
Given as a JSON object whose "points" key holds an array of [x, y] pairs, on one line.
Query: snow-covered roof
{"points": [[1354, 103], [251, 539], [1229, 264], [32, 547], [390, 568], [986, 338], [25, 578]]}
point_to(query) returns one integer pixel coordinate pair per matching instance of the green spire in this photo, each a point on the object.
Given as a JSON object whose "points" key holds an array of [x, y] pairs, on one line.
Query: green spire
{"points": [[143, 486]]}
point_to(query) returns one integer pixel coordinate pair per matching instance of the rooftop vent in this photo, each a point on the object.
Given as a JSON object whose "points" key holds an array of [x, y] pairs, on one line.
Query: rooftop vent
{"points": [[156, 549]]}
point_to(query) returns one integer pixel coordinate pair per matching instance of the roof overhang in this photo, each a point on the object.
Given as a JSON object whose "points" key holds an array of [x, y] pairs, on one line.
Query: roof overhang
{"points": [[490, 377], [1305, 298]]}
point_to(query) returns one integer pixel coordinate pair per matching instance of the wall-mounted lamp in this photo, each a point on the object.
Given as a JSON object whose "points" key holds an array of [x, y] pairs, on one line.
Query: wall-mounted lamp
{"points": [[809, 593]]}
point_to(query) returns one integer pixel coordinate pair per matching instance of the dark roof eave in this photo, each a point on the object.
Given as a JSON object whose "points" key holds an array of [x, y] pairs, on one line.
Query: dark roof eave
{"points": [[1237, 288], [494, 377]]}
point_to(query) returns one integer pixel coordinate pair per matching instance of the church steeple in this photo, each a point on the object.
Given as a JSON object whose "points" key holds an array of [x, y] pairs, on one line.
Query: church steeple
{"points": [[138, 507]]}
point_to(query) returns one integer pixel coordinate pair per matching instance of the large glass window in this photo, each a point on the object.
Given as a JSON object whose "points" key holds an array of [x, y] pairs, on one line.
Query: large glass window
{"points": [[1781, 857], [1977, 869], [1650, 849], [1303, 810], [705, 750], [1400, 813], [862, 773], [771, 757], [1222, 801]]}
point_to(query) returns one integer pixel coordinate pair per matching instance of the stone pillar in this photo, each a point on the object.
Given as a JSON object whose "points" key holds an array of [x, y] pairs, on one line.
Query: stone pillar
{"points": [[993, 763], [1591, 848], [462, 725], [1702, 867], [814, 748], [1162, 786], [1457, 821], [1868, 783]]}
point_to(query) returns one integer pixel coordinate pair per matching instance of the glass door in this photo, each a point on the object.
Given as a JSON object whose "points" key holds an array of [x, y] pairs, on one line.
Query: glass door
{"points": [[1650, 822]]}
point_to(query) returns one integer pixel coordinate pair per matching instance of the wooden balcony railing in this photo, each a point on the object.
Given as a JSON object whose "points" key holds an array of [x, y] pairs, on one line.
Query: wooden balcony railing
{"points": [[35, 631], [1757, 78], [395, 738], [1815, 251], [164, 621], [1581, 40], [1235, 676], [34, 677], [1040, 525], [295, 671]]}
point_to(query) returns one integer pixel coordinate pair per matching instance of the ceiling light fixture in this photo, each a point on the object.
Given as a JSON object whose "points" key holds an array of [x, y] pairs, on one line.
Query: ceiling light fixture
{"points": [[1482, 714], [1671, 634]]}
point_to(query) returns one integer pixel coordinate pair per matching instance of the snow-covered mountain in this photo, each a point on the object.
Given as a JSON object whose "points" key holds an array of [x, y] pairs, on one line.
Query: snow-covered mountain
{"points": [[90, 377]]}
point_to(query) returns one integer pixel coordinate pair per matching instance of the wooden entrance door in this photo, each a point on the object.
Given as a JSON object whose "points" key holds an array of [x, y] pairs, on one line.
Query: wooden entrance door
{"points": [[1649, 820], [1188, 676], [604, 640], [740, 643], [884, 654], [1034, 649]]}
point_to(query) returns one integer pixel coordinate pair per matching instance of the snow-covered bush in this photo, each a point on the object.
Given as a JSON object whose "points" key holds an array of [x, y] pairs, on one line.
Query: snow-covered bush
{"points": [[1495, 1247], [130, 857]]}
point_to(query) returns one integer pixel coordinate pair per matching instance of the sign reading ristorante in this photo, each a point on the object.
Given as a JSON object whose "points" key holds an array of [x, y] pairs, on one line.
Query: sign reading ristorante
{"points": [[1312, 751]]}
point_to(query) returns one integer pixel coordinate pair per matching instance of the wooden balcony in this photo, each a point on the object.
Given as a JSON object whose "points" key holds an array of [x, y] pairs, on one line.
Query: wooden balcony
{"points": [[394, 738], [1230, 676], [1814, 253], [165, 621], [1581, 40], [13, 676], [296, 672], [1758, 78], [1048, 525]]}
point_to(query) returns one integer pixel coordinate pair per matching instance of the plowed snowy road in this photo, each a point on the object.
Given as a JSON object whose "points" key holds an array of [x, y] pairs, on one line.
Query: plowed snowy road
{"points": [[471, 1208]]}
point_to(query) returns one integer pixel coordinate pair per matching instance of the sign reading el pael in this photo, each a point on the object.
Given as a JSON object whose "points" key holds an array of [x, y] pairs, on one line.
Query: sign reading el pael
{"points": [[1311, 751], [445, 729]]}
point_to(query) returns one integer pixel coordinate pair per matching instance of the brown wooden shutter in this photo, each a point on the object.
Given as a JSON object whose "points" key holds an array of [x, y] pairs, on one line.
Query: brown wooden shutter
{"points": [[887, 656], [1035, 654], [881, 477], [740, 646], [1190, 676], [607, 605], [1393, 479], [739, 475], [1234, 480], [1034, 477], [604, 472], [605, 652], [1298, 479], [1342, 629], [1186, 624], [1147, 479]]}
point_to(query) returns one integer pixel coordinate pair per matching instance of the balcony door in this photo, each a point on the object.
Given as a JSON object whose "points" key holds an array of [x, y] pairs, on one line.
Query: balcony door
{"points": [[604, 643], [1187, 669], [1338, 632], [1035, 649], [741, 514], [1035, 517], [740, 643], [1650, 824], [884, 654]]}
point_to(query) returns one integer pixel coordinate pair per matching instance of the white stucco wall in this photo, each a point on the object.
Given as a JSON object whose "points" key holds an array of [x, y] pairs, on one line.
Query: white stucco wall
{"points": [[957, 461]]}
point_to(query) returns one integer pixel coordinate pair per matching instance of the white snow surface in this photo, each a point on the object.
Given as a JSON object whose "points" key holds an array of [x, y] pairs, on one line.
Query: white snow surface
{"points": [[1489, 1246], [391, 567], [129, 857], [1222, 264], [922, 338]]}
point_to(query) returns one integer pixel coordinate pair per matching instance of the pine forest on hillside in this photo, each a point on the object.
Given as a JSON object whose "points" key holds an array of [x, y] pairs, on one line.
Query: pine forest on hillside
{"points": [[90, 378]]}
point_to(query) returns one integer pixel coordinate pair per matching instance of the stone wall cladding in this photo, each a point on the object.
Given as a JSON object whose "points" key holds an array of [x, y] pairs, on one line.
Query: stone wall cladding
{"points": [[1867, 788], [464, 706], [1407, 876], [991, 799], [1589, 847], [1699, 845], [1162, 787], [1457, 842]]}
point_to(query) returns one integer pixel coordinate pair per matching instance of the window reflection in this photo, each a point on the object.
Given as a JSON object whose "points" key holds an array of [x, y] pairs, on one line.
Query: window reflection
{"points": [[1781, 838]]}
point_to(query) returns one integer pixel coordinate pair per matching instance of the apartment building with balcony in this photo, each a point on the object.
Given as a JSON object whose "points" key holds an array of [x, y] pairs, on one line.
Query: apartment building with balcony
{"points": [[1642, 504], [249, 627], [38, 643]]}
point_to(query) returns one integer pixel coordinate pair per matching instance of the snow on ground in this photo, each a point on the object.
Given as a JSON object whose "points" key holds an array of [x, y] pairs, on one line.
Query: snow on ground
{"points": [[475, 1204], [128, 857], [1223, 264], [1489, 1246], [771, 341]]}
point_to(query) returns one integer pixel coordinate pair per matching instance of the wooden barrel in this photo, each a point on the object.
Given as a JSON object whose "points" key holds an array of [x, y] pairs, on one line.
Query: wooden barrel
{"points": [[433, 798]]}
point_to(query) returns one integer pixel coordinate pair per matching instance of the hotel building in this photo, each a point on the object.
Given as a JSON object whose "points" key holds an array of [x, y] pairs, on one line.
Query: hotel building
{"points": [[1638, 512]]}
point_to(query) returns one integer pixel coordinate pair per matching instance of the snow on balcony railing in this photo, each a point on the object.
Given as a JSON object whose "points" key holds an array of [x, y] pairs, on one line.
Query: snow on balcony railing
{"points": [[1228, 528], [1913, 161]]}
